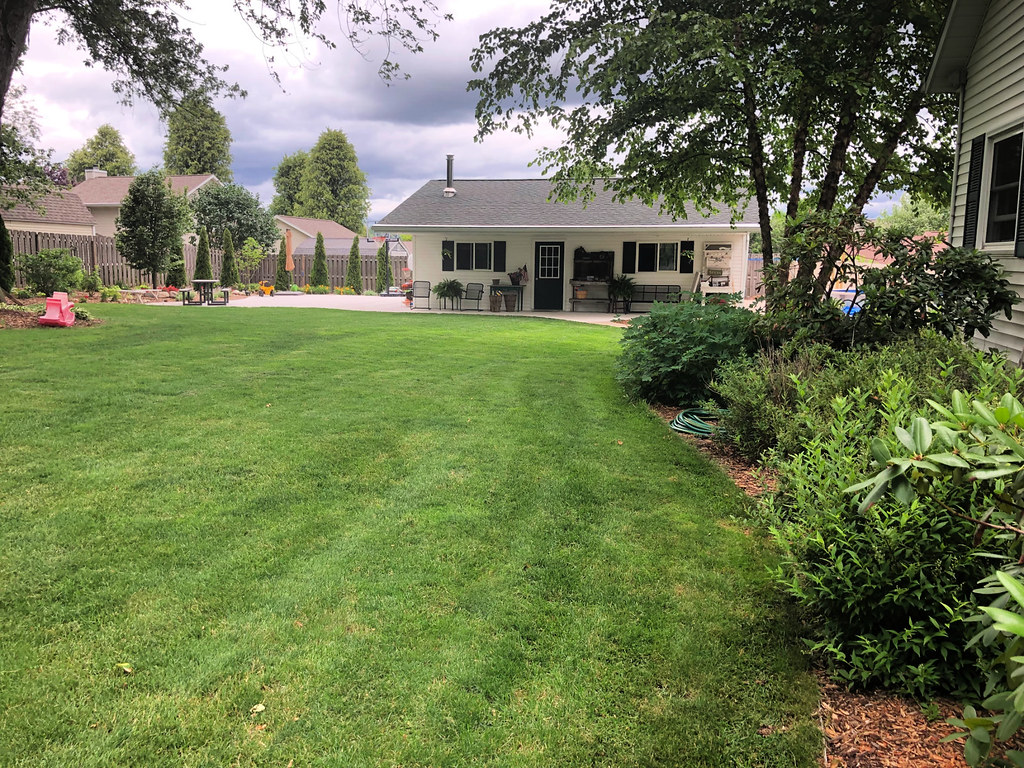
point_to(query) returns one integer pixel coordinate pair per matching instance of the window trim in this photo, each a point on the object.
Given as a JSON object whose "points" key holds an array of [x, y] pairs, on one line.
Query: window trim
{"points": [[985, 198]]}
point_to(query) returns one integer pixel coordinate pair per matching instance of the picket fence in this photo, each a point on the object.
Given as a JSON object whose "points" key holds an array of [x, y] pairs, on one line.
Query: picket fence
{"points": [[99, 251]]}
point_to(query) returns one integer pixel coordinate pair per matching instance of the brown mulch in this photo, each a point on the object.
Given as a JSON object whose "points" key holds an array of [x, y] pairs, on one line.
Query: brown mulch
{"points": [[861, 730], [19, 318]]}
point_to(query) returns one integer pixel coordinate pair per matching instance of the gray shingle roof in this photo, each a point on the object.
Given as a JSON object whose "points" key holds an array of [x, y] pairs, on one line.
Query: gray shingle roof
{"points": [[514, 203], [59, 207]]}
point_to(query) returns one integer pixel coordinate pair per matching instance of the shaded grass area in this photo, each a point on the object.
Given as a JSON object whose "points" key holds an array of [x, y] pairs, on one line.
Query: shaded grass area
{"points": [[413, 541]]}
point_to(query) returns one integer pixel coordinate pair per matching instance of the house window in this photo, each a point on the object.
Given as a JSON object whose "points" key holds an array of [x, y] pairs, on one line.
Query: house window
{"points": [[657, 257], [1004, 190], [473, 256]]}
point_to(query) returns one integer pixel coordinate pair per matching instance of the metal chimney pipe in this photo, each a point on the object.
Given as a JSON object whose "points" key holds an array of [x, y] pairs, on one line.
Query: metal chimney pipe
{"points": [[451, 166]]}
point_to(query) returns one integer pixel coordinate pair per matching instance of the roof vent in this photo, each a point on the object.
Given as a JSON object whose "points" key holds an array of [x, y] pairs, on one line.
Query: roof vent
{"points": [[449, 190]]}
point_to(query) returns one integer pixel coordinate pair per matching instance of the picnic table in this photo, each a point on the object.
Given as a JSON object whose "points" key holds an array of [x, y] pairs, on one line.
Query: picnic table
{"points": [[204, 290]]}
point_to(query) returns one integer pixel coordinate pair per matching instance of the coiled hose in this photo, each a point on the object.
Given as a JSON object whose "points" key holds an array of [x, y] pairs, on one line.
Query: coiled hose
{"points": [[691, 421]]}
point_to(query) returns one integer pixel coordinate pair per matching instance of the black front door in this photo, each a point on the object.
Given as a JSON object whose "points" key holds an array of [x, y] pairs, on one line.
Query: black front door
{"points": [[548, 276]]}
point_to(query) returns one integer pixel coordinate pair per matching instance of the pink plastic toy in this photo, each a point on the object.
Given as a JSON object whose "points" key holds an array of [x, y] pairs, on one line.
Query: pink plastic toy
{"points": [[58, 310]]}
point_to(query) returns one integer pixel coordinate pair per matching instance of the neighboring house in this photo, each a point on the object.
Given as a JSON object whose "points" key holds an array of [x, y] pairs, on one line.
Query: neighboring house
{"points": [[102, 194], [62, 214], [297, 229], [479, 230], [979, 58]]}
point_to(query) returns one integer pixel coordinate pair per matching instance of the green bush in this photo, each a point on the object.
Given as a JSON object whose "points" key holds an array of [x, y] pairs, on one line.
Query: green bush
{"points": [[92, 281], [50, 270], [761, 394], [110, 293], [671, 355]]}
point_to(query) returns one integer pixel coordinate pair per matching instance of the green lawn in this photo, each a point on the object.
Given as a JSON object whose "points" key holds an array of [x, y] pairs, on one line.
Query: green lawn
{"points": [[412, 540]]}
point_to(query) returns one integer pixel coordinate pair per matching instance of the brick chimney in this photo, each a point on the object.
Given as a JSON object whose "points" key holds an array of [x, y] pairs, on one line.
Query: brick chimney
{"points": [[94, 173]]}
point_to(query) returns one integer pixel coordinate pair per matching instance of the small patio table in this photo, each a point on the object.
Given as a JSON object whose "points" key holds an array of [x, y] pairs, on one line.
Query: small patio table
{"points": [[205, 290]]}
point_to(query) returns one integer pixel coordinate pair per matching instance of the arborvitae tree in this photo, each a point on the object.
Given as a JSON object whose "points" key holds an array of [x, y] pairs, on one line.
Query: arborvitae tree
{"points": [[319, 276], [228, 268], [353, 273], [283, 279], [332, 185], [176, 271], [6, 259], [203, 271], [384, 278], [105, 150], [198, 139]]}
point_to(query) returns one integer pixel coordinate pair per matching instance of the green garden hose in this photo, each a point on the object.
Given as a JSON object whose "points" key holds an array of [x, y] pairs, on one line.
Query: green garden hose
{"points": [[691, 421]]}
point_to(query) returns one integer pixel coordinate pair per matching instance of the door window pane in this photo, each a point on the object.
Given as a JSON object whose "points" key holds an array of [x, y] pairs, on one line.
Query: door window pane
{"points": [[550, 262]]}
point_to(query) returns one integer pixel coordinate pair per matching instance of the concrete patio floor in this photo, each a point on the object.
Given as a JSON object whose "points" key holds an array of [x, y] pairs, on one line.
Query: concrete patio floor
{"points": [[397, 304]]}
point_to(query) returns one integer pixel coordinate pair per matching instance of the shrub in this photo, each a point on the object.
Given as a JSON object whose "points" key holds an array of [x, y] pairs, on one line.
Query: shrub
{"points": [[110, 293], [353, 276], [283, 277], [319, 274], [50, 270], [761, 394], [671, 355], [203, 270], [228, 268], [384, 277], [320, 290], [92, 281], [6, 259], [176, 272]]}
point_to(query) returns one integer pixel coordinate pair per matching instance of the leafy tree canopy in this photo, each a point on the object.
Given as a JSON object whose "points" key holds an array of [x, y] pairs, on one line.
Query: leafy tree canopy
{"points": [[145, 45], [911, 217], [152, 221], [25, 170], [770, 100], [332, 186], [105, 150], [233, 207], [287, 179], [198, 139]]}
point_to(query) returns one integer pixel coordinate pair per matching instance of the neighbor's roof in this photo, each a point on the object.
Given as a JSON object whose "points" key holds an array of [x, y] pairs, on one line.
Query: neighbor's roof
{"points": [[60, 208], [309, 227], [110, 190], [959, 34], [340, 246], [523, 203]]}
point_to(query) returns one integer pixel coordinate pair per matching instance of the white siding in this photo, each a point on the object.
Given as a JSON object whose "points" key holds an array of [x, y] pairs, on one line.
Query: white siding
{"points": [[994, 102], [519, 247]]}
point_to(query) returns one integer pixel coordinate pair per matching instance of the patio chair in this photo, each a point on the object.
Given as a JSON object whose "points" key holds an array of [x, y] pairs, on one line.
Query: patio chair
{"points": [[420, 290], [473, 292]]}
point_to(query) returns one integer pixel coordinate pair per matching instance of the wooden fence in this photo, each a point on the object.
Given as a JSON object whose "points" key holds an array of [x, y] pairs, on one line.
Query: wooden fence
{"points": [[100, 251]]}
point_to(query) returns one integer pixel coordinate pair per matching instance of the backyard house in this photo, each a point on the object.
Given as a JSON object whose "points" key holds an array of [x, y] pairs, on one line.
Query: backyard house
{"points": [[103, 194], [58, 213], [978, 57], [481, 229]]}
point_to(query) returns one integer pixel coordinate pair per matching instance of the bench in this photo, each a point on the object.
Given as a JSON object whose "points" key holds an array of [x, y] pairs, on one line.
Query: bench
{"points": [[648, 294]]}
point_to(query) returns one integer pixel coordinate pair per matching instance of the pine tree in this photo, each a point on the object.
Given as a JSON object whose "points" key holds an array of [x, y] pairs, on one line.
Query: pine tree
{"points": [[203, 270], [353, 273], [228, 269], [384, 277], [319, 276], [283, 279], [176, 271], [6, 259]]}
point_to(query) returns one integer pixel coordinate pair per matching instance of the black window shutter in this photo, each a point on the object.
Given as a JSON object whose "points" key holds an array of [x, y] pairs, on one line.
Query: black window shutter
{"points": [[973, 192], [499, 255], [447, 255], [629, 258], [686, 256], [647, 257], [1018, 240], [464, 256]]}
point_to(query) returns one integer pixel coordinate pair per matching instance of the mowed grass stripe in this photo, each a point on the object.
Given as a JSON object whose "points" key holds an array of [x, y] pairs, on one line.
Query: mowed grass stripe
{"points": [[414, 540]]}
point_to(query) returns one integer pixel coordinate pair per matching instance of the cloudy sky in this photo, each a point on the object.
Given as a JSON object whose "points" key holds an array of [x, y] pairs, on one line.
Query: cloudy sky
{"points": [[401, 133]]}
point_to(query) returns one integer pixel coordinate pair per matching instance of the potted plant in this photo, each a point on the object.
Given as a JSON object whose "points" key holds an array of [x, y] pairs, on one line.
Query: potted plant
{"points": [[620, 288], [448, 289]]}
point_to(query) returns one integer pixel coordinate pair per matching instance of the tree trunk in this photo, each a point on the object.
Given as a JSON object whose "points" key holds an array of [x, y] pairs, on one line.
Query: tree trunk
{"points": [[15, 18], [755, 146]]}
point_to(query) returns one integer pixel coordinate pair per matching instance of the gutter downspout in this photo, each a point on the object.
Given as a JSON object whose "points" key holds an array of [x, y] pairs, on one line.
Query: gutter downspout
{"points": [[956, 156]]}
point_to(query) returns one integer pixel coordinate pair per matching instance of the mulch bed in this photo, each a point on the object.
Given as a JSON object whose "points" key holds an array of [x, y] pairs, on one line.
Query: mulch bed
{"points": [[861, 730], [21, 318]]}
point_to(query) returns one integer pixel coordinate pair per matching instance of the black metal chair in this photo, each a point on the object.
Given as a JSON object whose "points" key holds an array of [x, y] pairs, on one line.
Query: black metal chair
{"points": [[473, 292], [420, 290]]}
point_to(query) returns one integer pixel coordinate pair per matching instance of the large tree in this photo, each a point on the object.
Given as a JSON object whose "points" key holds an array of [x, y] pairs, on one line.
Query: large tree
{"points": [[152, 221], [287, 180], [332, 185], [770, 100], [198, 139], [233, 207], [144, 44], [105, 150], [26, 172]]}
